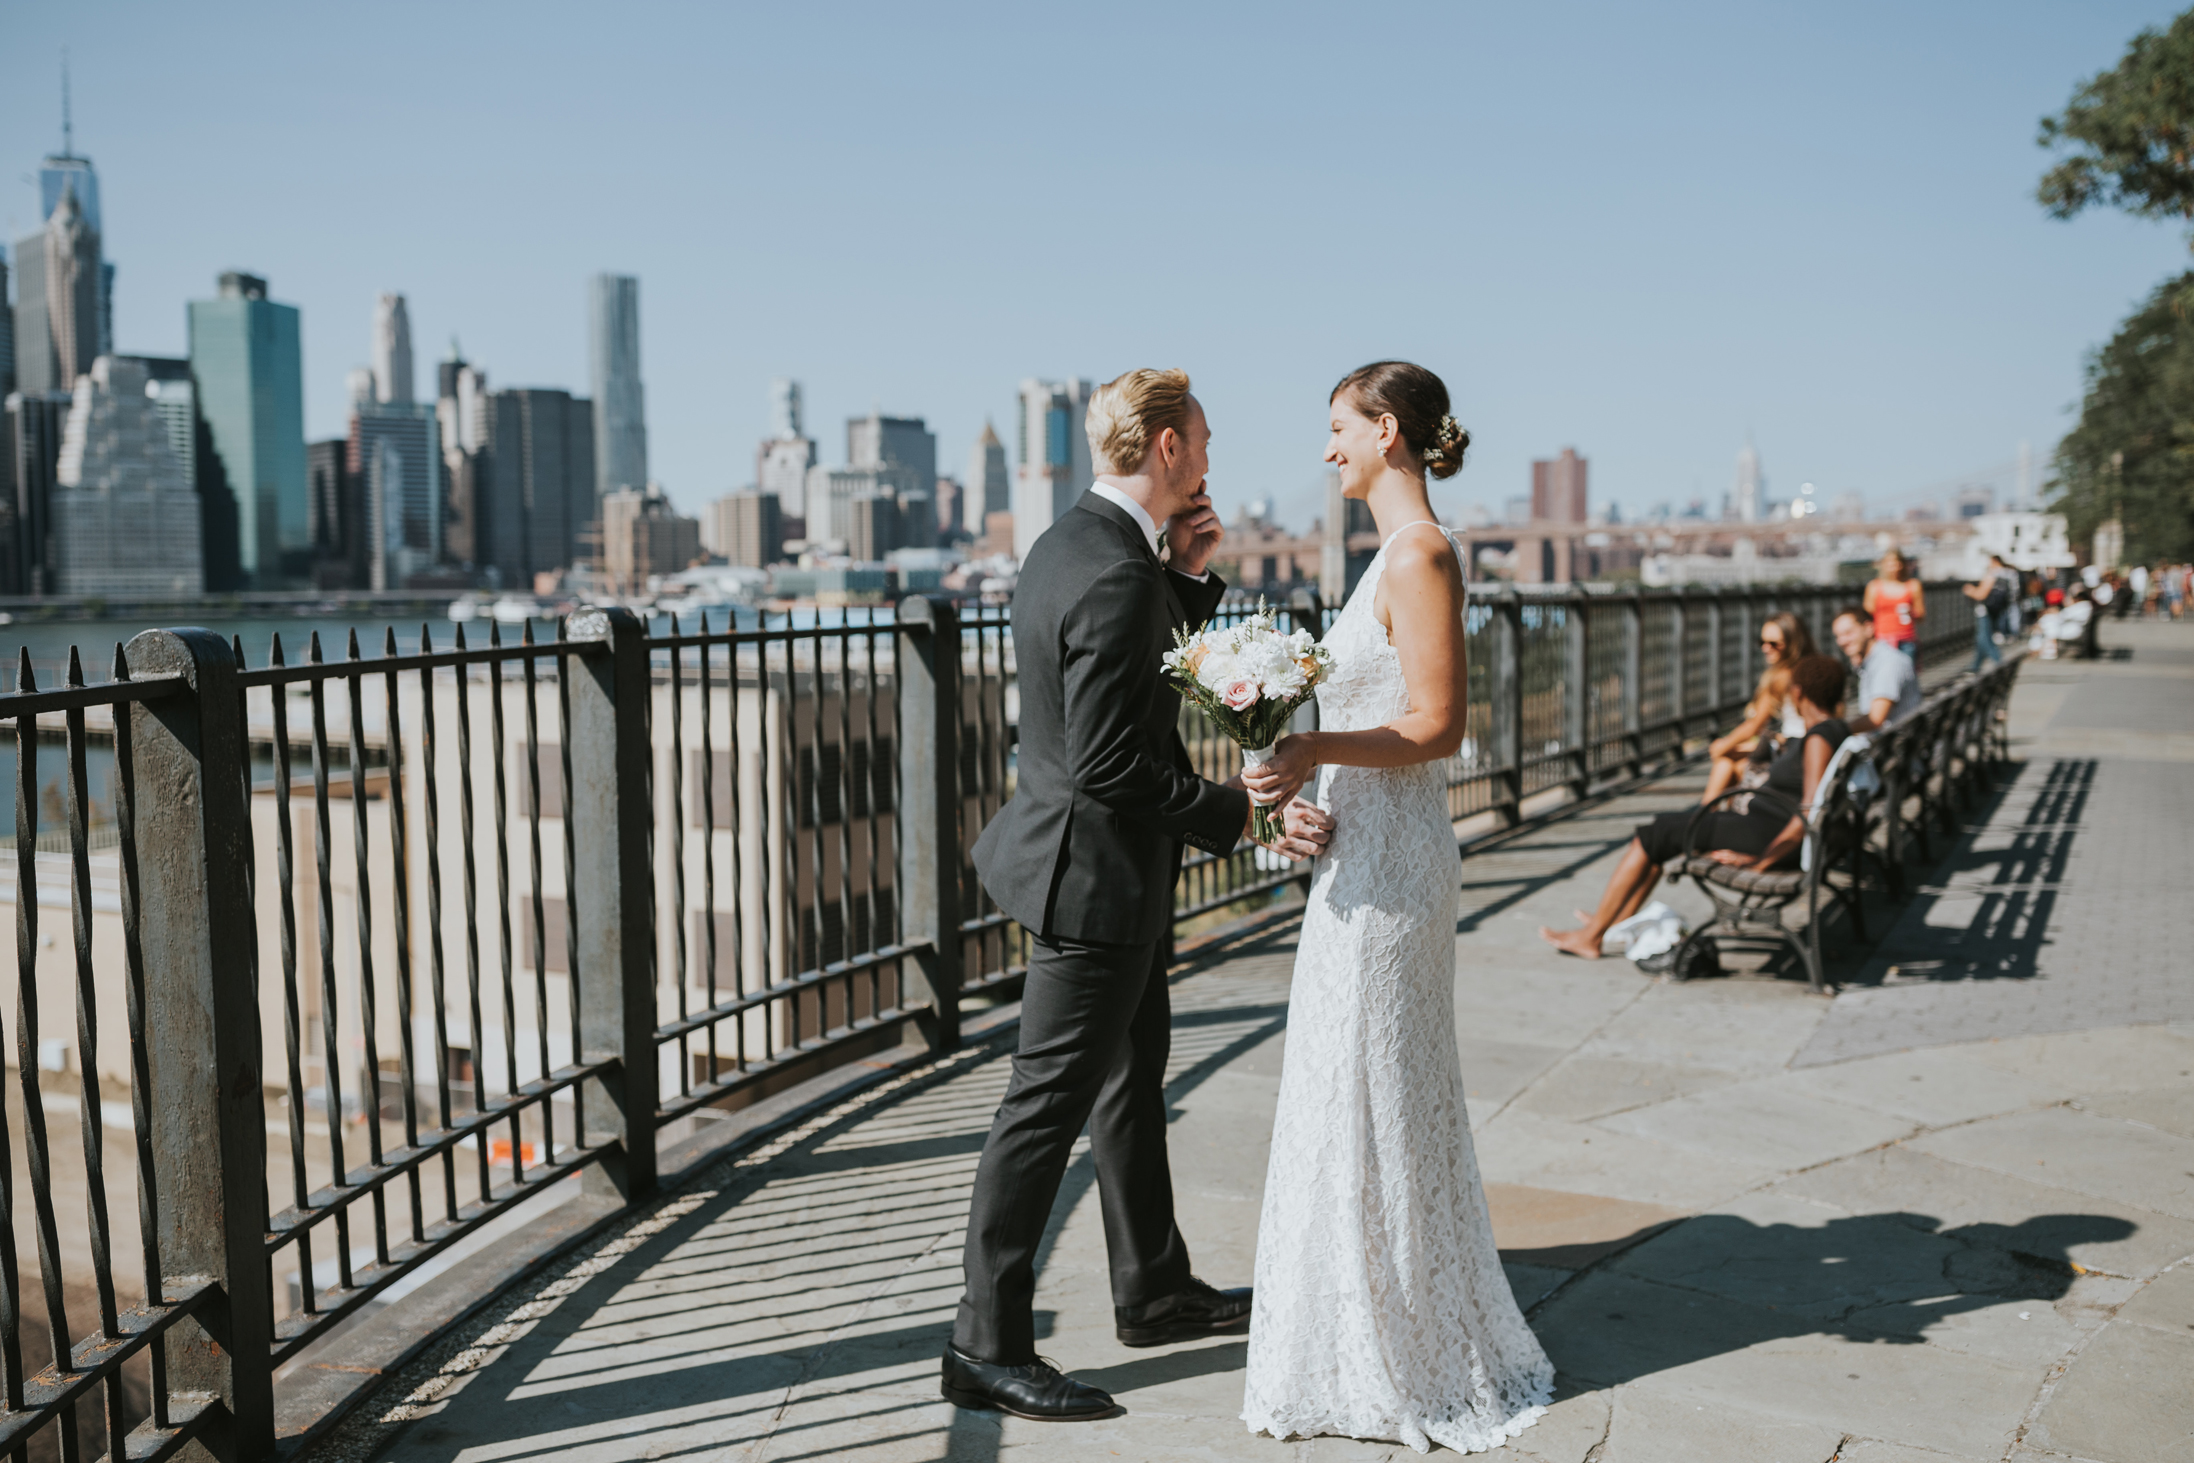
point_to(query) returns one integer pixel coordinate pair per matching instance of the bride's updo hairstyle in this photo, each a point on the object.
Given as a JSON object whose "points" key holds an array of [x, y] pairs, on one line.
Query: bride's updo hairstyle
{"points": [[1417, 400]]}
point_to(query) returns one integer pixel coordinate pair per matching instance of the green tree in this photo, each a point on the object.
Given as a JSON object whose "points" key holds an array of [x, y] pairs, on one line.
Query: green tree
{"points": [[2131, 130], [2129, 138], [2132, 456]]}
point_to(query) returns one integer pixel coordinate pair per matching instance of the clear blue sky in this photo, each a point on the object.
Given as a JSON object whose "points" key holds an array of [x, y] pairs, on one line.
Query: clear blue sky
{"points": [[1641, 231]]}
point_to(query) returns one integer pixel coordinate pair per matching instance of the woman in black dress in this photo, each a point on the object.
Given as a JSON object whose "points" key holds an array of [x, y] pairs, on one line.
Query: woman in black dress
{"points": [[1756, 833]]}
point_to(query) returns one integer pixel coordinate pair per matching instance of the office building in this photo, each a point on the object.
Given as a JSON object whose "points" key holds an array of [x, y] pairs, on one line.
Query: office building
{"points": [[64, 174], [536, 482], [782, 461], [57, 299], [620, 412], [339, 550], [1558, 488], [643, 536], [1747, 497], [174, 395], [125, 520], [35, 421], [1055, 465], [395, 452], [873, 528], [747, 528], [392, 357], [460, 418], [7, 329], [951, 507], [901, 453], [246, 360], [989, 488]]}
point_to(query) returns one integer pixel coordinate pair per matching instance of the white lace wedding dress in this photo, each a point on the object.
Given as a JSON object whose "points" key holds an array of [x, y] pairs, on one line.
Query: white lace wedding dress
{"points": [[1382, 1311]]}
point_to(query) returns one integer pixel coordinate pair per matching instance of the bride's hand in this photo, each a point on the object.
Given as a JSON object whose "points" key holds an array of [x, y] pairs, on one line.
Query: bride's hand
{"points": [[1291, 764], [1309, 827]]}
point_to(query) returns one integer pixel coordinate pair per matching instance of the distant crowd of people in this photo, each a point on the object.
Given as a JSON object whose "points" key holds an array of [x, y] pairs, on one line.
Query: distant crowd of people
{"points": [[2063, 608]]}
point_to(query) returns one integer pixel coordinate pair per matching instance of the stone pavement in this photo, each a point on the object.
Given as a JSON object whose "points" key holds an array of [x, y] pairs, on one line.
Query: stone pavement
{"points": [[1947, 1216]]}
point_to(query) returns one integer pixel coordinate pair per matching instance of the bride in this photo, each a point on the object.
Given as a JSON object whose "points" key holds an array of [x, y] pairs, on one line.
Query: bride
{"points": [[1382, 1310]]}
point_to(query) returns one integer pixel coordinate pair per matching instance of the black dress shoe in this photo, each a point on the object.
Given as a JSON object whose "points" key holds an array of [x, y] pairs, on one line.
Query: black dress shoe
{"points": [[1038, 1391], [1199, 1310]]}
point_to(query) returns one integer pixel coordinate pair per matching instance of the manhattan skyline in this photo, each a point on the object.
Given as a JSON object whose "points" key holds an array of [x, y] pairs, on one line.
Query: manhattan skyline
{"points": [[1733, 221]]}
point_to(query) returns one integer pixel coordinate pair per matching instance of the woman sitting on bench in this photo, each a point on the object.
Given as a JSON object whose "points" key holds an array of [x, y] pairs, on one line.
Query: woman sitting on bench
{"points": [[1784, 641], [1750, 834]]}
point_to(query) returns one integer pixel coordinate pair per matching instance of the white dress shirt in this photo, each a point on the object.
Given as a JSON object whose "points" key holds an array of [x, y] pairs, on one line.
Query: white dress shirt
{"points": [[1143, 521]]}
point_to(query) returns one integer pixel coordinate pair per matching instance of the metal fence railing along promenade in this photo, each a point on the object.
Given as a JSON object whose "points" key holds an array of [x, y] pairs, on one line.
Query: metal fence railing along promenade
{"points": [[379, 946]]}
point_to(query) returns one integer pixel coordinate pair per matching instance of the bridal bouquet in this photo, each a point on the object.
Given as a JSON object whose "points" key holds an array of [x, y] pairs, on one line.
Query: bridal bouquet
{"points": [[1249, 677]]}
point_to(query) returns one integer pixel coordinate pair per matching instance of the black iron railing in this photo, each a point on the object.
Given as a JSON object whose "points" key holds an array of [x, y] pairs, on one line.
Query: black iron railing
{"points": [[378, 947]]}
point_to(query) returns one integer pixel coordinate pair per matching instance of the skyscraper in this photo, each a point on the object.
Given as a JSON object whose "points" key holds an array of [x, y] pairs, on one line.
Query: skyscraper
{"points": [[784, 408], [35, 421], [781, 463], [1558, 488], [537, 482], [125, 520], [1055, 467], [392, 358], [245, 356], [902, 454], [339, 556], [7, 334], [395, 455], [989, 489], [1746, 496], [460, 412], [65, 174], [57, 298], [620, 408]]}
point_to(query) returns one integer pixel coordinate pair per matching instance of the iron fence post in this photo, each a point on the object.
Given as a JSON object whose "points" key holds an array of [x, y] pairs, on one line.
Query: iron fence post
{"points": [[930, 854], [1577, 689], [1508, 703], [1679, 628], [1713, 688], [611, 823], [1633, 682], [209, 1120]]}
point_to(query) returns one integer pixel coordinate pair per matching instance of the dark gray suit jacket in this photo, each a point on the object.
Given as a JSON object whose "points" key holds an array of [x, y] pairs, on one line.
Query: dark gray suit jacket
{"points": [[1088, 846]]}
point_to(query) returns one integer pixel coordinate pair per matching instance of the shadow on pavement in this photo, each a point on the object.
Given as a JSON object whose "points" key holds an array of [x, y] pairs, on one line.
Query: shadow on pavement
{"points": [[1720, 1283]]}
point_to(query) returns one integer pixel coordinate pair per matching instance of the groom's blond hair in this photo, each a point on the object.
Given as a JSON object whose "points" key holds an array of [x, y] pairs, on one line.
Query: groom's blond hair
{"points": [[1128, 413]]}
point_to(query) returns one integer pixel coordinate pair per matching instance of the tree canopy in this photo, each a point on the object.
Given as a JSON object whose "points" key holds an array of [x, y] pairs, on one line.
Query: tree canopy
{"points": [[2130, 136], [2132, 455], [2131, 131]]}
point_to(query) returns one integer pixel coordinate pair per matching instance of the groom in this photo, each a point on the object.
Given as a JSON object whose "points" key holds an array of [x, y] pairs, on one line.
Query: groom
{"points": [[1085, 857]]}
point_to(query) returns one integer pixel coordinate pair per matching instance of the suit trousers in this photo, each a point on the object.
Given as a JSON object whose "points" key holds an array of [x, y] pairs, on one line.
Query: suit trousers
{"points": [[1096, 1026]]}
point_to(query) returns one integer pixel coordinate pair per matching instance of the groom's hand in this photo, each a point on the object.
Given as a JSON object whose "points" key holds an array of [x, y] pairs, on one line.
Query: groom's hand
{"points": [[1309, 828], [1194, 535]]}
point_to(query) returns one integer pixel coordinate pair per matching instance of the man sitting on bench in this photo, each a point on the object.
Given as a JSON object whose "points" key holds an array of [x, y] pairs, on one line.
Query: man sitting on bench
{"points": [[1889, 686]]}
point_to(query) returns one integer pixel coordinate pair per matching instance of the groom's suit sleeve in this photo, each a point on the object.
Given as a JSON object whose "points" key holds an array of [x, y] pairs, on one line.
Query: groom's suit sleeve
{"points": [[1110, 673]]}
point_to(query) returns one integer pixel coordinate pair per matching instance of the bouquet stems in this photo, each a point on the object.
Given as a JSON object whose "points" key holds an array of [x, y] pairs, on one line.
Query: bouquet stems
{"points": [[1266, 822]]}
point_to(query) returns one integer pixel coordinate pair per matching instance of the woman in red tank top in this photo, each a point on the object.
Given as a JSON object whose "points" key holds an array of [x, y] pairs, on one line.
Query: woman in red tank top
{"points": [[1894, 599]]}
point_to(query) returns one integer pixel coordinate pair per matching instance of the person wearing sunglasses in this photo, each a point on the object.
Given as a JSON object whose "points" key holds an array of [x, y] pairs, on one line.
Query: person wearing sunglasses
{"points": [[1771, 718]]}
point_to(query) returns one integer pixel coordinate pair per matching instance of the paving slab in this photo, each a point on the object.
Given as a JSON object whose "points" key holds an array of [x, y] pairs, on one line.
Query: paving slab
{"points": [[2124, 1400], [2009, 1212], [1667, 1424], [2168, 1108], [2167, 1302], [1582, 1088], [1936, 1088], [2109, 1157], [1768, 1123]]}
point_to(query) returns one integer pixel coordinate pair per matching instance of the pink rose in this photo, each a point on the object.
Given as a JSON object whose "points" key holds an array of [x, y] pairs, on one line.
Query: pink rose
{"points": [[1240, 695]]}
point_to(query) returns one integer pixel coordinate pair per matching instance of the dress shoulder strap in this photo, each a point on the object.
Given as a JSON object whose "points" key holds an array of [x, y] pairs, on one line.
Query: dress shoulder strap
{"points": [[1413, 523]]}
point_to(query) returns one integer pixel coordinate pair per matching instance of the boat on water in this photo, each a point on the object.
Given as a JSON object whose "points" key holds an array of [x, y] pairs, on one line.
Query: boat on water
{"points": [[509, 609]]}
